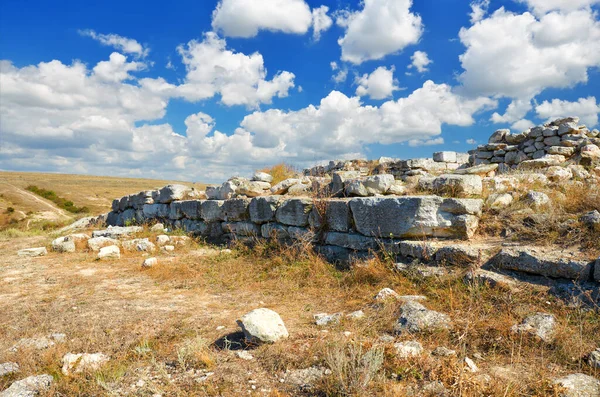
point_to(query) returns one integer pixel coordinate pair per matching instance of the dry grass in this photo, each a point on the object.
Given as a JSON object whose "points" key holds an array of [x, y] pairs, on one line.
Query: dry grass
{"points": [[555, 224], [94, 192], [159, 325], [280, 172]]}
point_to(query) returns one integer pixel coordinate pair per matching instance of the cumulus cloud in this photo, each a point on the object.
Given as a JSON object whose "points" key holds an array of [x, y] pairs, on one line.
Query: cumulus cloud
{"points": [[245, 18], [337, 125], [123, 44], [519, 55], [213, 69], [541, 7], [420, 60], [478, 10], [522, 125], [69, 118], [380, 84], [515, 110], [341, 75], [585, 108], [382, 27], [320, 21], [471, 141]]}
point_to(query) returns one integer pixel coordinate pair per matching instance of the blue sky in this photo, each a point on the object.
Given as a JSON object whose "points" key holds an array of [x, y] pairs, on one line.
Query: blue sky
{"points": [[204, 90]]}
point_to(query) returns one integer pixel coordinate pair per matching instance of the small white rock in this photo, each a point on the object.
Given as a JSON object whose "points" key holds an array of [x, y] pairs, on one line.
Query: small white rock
{"points": [[110, 252], [148, 263]]}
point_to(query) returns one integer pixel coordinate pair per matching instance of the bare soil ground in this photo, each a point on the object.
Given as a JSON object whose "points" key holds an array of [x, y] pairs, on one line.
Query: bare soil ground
{"points": [[164, 327]]}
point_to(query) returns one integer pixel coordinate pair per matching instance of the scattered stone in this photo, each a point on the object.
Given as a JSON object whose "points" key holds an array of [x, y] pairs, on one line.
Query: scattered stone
{"points": [[110, 252], [537, 199], [492, 279], [40, 343], [262, 177], [591, 219], [408, 349], [323, 319], [471, 366], [33, 252], [305, 378], [77, 363], [96, 243], [245, 355], [139, 244], [417, 318], [263, 325], [578, 385], [499, 200], [117, 231], [168, 248], [29, 387], [356, 315], [541, 325], [63, 244], [162, 239], [8, 369], [442, 351], [386, 294], [283, 186], [149, 262], [159, 227], [594, 359]]}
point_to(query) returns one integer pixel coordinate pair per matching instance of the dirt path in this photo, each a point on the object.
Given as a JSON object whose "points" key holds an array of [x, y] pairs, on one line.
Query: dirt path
{"points": [[50, 207]]}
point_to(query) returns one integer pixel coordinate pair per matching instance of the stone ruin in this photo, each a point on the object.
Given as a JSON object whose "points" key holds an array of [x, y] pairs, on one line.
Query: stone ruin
{"points": [[348, 209]]}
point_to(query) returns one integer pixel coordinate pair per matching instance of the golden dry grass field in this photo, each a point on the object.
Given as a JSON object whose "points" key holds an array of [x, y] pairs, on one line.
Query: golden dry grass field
{"points": [[94, 192]]}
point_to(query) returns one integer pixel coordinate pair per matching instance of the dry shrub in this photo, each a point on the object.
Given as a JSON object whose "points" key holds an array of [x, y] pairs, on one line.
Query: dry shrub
{"points": [[280, 172], [353, 367]]}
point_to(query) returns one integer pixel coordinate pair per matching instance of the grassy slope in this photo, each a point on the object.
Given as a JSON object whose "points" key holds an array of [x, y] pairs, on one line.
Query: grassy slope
{"points": [[94, 192]]}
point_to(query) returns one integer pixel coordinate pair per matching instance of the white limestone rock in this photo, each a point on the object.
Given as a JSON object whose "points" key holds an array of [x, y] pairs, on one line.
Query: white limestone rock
{"points": [[109, 252], [263, 326]]}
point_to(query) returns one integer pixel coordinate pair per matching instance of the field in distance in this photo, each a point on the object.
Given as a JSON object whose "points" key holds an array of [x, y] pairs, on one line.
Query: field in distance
{"points": [[96, 193]]}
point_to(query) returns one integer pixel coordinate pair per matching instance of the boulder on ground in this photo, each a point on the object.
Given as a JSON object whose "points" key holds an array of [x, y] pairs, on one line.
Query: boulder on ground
{"points": [[149, 262], [8, 369], [417, 318], [67, 243], [29, 387], [33, 252], [578, 385], [77, 363], [263, 326], [537, 199], [110, 252], [499, 200], [95, 243], [529, 261], [139, 244], [541, 325], [408, 349], [386, 294]]}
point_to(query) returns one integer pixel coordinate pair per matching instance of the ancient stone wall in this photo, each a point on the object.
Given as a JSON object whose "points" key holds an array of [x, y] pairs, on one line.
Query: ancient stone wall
{"points": [[564, 140], [340, 227]]}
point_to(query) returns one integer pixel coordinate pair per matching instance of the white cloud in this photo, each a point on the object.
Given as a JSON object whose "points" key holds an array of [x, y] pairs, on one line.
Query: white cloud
{"points": [[519, 56], [340, 76], [478, 10], [240, 79], [515, 110], [428, 142], [245, 18], [471, 141], [320, 21], [380, 84], [382, 27], [123, 44], [522, 125], [337, 125], [333, 65], [585, 108], [420, 60], [541, 7]]}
